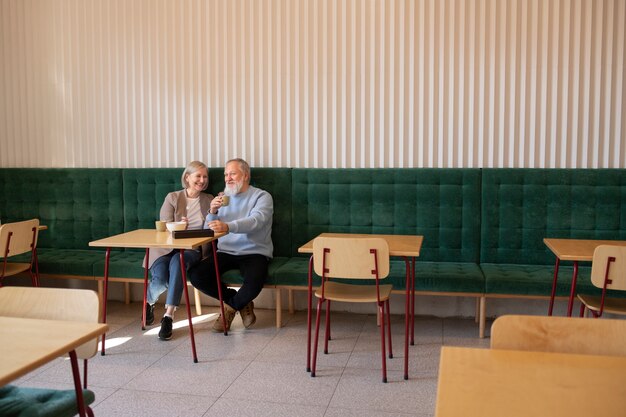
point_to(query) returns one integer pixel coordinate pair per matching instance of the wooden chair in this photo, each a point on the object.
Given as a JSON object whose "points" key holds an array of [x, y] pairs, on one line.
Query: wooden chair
{"points": [[559, 335], [54, 304], [352, 259], [15, 239], [608, 272]]}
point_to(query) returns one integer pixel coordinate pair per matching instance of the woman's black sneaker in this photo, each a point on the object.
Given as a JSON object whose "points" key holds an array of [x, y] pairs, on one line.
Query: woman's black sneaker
{"points": [[166, 328]]}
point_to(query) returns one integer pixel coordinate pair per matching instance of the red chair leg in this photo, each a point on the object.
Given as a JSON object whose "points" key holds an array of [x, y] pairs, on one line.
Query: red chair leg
{"points": [[36, 260], [381, 308], [327, 329], [330, 336], [85, 373], [317, 334], [582, 309], [389, 329]]}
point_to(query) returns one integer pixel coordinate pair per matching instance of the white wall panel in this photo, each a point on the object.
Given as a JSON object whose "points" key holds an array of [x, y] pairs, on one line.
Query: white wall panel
{"points": [[303, 83]]}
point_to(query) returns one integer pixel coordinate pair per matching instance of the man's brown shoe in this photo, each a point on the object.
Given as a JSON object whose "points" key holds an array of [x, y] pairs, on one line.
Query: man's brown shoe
{"points": [[247, 315], [229, 313]]}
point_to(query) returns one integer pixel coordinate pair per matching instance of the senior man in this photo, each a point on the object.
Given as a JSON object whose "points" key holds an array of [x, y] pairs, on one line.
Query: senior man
{"points": [[245, 212]]}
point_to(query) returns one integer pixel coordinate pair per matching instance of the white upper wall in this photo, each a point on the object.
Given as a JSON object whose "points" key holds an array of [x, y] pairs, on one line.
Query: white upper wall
{"points": [[313, 83]]}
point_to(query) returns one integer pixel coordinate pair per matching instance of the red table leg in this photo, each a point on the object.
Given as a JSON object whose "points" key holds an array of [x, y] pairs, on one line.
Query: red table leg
{"points": [[572, 293], [105, 296], [553, 293], [308, 320], [407, 319], [145, 290], [80, 401], [184, 277], [412, 275]]}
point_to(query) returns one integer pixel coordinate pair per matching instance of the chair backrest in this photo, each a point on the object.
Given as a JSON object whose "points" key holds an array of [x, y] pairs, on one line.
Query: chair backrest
{"points": [[53, 304], [23, 237], [559, 334], [351, 257], [617, 267]]}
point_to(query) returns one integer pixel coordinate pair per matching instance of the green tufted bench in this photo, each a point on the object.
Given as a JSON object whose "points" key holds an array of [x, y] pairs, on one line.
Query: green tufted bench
{"points": [[483, 228], [523, 206]]}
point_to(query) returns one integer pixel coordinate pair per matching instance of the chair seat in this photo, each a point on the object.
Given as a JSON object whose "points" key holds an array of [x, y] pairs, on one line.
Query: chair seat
{"points": [[14, 268], [611, 305], [336, 291], [23, 401]]}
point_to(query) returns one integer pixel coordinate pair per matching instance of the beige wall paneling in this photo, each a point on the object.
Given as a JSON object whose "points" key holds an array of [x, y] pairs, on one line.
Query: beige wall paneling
{"points": [[303, 83]]}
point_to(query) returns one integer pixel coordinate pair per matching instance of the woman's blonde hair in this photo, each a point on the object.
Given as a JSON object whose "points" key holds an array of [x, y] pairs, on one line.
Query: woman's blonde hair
{"points": [[192, 167]]}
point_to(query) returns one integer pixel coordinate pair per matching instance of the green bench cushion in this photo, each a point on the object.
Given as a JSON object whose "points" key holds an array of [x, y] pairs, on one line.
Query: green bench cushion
{"points": [[454, 277], [33, 402], [295, 272], [68, 261], [122, 264], [535, 280]]}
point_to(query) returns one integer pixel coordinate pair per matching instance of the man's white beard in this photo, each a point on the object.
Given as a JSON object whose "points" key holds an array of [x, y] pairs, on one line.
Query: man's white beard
{"points": [[233, 189]]}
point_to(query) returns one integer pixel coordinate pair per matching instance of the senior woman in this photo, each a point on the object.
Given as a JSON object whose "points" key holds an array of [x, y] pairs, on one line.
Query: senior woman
{"points": [[190, 205]]}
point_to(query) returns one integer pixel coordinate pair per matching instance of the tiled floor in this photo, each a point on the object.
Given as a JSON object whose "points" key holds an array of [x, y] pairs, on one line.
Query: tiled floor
{"points": [[261, 371]]}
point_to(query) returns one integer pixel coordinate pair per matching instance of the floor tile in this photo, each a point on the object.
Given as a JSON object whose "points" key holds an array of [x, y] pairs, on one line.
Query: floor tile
{"points": [[257, 408], [284, 384], [364, 389], [179, 375], [126, 402]]}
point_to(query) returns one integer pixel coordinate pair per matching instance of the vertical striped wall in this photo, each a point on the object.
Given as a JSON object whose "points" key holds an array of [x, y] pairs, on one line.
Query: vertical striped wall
{"points": [[313, 83]]}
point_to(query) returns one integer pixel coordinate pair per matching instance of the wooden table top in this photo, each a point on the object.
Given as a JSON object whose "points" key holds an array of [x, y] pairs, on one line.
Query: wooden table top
{"points": [[150, 238], [399, 245], [495, 383], [577, 249], [29, 343]]}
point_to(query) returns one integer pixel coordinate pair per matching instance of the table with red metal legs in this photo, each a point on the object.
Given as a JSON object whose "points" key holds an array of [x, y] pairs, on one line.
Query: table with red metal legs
{"points": [[150, 238], [405, 246], [576, 250]]}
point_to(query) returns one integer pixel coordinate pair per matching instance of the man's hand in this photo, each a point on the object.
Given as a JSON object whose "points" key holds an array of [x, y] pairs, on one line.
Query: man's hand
{"points": [[218, 226]]}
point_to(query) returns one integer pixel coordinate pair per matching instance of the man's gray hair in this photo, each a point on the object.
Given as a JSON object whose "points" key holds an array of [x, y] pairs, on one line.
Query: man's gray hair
{"points": [[243, 165]]}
